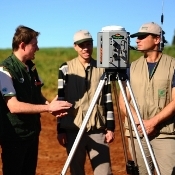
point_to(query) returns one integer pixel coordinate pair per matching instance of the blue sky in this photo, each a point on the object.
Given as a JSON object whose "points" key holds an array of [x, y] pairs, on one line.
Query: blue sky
{"points": [[58, 20]]}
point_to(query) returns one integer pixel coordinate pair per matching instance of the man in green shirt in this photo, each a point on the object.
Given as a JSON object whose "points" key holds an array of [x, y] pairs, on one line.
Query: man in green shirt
{"points": [[21, 103]]}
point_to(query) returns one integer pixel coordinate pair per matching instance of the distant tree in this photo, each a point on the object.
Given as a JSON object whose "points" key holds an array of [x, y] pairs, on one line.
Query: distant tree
{"points": [[173, 42]]}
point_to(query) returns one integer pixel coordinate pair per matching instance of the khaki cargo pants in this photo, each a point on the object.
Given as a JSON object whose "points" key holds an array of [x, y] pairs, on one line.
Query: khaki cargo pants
{"points": [[164, 152]]}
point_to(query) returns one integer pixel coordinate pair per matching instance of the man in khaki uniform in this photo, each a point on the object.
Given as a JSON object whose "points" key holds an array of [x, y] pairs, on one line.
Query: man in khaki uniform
{"points": [[77, 83], [152, 80]]}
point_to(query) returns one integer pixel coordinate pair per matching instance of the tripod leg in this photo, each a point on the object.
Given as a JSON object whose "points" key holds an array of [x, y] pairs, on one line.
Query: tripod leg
{"points": [[134, 125], [143, 128], [120, 120], [84, 123], [131, 166]]}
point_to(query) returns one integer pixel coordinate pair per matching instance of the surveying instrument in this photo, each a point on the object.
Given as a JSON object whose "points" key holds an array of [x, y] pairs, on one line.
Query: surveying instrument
{"points": [[113, 45]]}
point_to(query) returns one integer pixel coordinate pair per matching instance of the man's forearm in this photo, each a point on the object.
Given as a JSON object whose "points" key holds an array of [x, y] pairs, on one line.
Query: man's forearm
{"points": [[165, 114], [16, 106], [27, 108]]}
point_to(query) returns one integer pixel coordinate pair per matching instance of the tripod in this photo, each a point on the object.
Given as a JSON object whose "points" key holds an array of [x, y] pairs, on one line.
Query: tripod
{"points": [[131, 168]]}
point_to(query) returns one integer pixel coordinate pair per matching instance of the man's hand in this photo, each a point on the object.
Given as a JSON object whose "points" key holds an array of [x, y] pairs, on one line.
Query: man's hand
{"points": [[58, 107], [62, 139], [149, 127], [109, 136]]}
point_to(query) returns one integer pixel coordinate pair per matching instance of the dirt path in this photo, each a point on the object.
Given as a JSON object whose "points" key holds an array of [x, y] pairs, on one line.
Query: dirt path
{"points": [[52, 156]]}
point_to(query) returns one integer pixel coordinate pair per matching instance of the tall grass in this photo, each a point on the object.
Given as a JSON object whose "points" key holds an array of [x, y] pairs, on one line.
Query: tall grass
{"points": [[48, 61]]}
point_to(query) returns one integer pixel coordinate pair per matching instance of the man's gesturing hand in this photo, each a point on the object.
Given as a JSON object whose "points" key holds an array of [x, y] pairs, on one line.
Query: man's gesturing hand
{"points": [[59, 107]]}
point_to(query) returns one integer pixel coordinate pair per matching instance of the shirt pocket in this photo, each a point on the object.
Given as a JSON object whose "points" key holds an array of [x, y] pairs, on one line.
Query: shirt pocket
{"points": [[161, 93]]}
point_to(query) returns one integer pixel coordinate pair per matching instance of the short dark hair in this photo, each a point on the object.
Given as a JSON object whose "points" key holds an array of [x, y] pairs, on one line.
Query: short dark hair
{"points": [[23, 34]]}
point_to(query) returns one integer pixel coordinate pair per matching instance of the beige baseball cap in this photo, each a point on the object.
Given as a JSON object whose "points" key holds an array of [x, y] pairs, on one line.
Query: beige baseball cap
{"points": [[82, 36], [147, 28]]}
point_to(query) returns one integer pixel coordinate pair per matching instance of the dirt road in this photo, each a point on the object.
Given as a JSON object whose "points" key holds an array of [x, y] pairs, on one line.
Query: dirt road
{"points": [[52, 156]]}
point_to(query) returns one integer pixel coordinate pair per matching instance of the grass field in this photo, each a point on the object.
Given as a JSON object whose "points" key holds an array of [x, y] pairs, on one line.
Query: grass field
{"points": [[48, 61], [52, 156]]}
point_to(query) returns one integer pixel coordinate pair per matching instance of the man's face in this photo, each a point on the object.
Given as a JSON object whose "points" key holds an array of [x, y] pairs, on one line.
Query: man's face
{"points": [[31, 48], [147, 42], [84, 49]]}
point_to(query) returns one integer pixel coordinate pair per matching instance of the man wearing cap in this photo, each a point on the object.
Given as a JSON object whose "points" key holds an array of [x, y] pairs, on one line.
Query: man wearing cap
{"points": [[152, 79], [77, 83]]}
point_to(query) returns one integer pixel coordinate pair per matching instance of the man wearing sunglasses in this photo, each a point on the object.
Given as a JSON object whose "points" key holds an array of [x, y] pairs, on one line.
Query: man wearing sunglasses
{"points": [[77, 83], [152, 80]]}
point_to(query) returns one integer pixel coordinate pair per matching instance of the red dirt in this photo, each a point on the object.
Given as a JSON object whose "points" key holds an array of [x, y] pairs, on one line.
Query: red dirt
{"points": [[52, 156]]}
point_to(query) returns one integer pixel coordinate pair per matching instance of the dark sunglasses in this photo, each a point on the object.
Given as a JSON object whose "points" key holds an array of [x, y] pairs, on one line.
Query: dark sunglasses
{"points": [[85, 44], [142, 36]]}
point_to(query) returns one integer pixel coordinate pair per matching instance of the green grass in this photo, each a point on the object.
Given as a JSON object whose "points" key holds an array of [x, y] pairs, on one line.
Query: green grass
{"points": [[48, 61]]}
